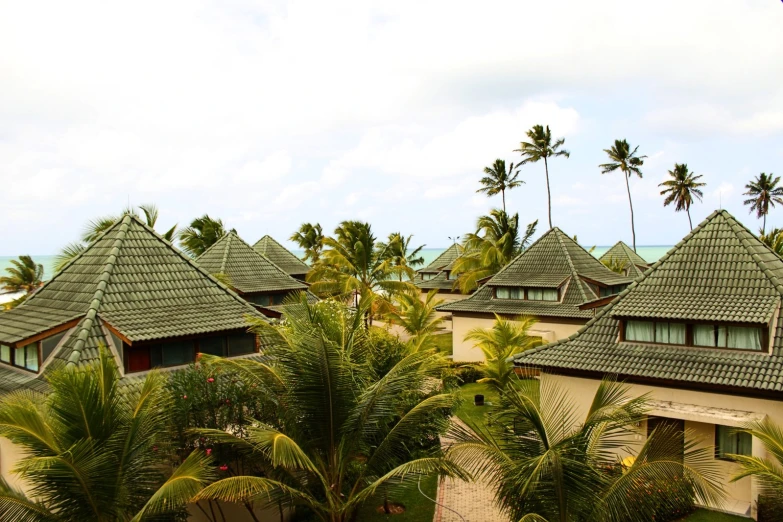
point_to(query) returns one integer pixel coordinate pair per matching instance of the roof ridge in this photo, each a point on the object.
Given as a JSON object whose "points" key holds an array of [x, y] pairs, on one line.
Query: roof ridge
{"points": [[631, 253], [282, 272], [225, 252], [531, 245], [97, 299], [733, 223], [570, 261], [454, 246]]}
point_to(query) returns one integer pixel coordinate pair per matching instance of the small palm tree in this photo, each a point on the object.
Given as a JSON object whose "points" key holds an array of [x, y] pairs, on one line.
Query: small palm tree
{"points": [[352, 268], [681, 189], [24, 276], [98, 226], [93, 450], [624, 159], [764, 193], [499, 343], [767, 471], [343, 432], [418, 317], [616, 265], [773, 239], [310, 238], [540, 147], [202, 233], [398, 252], [540, 458], [498, 179], [494, 244]]}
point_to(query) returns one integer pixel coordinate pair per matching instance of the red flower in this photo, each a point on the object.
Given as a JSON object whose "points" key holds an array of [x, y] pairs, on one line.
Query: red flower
{"points": [[211, 379], [228, 401], [184, 396], [154, 448], [209, 451], [223, 468]]}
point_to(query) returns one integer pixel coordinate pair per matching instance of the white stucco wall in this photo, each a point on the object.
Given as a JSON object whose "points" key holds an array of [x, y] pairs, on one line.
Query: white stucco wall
{"points": [[9, 456], [466, 350], [446, 298], [742, 492]]}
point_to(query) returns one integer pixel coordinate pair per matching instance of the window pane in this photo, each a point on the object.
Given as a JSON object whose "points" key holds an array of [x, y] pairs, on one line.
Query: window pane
{"points": [[212, 345], [502, 293], [138, 359], [19, 356], [676, 333], [279, 298], [662, 333], [723, 442], [731, 440], [517, 293], [535, 294], [550, 294], [156, 355], [180, 352], [744, 444], [639, 331], [49, 344], [31, 360], [743, 338], [241, 344], [703, 335], [5, 353], [721, 336]]}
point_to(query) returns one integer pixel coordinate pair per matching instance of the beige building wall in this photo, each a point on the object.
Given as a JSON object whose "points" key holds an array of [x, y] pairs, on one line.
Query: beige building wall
{"points": [[466, 351], [742, 494], [446, 297], [9, 456]]}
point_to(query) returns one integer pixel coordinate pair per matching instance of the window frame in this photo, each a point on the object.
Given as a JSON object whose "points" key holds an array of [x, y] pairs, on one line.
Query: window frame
{"points": [[525, 296], [738, 433], [689, 334]]}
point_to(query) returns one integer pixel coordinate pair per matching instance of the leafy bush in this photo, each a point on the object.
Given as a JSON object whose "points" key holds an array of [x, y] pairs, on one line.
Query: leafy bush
{"points": [[385, 351], [467, 373], [770, 509]]}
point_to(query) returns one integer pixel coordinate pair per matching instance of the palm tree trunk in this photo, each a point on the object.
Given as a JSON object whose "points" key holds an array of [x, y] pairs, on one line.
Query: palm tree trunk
{"points": [[688, 211], [764, 225], [633, 230], [503, 194], [548, 193]]}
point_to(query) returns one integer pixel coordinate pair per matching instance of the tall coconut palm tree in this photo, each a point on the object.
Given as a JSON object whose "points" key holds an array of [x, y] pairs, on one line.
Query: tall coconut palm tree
{"points": [[94, 450], [764, 193], [25, 275], [351, 267], [418, 317], [681, 189], [541, 458], [343, 432], [540, 147], [98, 226], [202, 233], [499, 343], [398, 252], [494, 244], [310, 238], [498, 179], [624, 159]]}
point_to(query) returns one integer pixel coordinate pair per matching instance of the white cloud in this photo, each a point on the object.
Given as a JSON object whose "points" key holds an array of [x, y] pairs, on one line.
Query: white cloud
{"points": [[704, 118]]}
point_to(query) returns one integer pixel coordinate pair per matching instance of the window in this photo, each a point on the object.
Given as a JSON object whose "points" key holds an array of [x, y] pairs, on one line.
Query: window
{"points": [[451, 276], [240, 344], [542, 294], [724, 336], [49, 344], [427, 277], [655, 332], [27, 357], [729, 440], [505, 292], [213, 346], [179, 352], [611, 290], [5, 354]]}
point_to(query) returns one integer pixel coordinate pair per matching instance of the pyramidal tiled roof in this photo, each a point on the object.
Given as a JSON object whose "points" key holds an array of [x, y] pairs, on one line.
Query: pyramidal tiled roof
{"points": [[718, 272], [135, 281], [280, 256], [247, 270], [444, 260], [634, 263], [553, 260]]}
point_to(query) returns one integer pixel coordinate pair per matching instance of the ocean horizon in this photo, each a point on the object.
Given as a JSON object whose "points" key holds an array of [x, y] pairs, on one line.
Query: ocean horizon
{"points": [[651, 253]]}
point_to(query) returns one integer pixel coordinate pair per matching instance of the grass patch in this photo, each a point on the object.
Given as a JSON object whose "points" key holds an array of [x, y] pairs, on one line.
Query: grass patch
{"points": [[444, 343], [472, 415], [417, 508], [705, 515]]}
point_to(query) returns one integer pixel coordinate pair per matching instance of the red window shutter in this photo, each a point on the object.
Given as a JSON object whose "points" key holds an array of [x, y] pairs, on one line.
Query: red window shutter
{"points": [[139, 359]]}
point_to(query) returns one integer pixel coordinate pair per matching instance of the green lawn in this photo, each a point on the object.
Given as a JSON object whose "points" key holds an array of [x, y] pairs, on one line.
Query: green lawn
{"points": [[470, 414], [703, 515], [444, 343], [417, 508]]}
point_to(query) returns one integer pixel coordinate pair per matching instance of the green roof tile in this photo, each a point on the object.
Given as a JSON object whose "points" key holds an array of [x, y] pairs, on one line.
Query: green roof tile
{"points": [[634, 263], [718, 272], [247, 270], [553, 260], [280, 256], [444, 260]]}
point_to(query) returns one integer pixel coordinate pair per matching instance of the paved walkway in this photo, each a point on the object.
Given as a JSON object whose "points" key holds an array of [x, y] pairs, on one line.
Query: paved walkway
{"points": [[473, 500]]}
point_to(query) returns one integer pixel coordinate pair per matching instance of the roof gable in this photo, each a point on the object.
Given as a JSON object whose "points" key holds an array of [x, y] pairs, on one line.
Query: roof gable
{"points": [[248, 271], [634, 263], [445, 260], [280, 256]]}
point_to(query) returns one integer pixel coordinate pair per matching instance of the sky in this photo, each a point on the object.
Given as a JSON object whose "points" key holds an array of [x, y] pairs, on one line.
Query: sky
{"points": [[270, 114]]}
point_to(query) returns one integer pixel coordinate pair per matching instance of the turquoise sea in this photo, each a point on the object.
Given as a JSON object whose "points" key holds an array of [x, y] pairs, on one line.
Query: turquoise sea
{"points": [[650, 253]]}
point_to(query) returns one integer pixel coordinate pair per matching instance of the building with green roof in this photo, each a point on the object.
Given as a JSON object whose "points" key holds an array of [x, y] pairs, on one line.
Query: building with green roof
{"points": [[701, 332], [132, 292], [621, 254], [438, 276], [253, 276], [282, 257], [548, 281]]}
